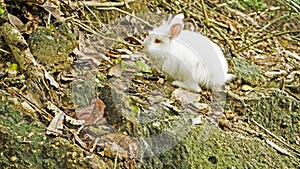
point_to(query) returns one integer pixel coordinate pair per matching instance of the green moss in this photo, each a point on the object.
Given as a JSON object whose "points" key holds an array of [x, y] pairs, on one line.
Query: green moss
{"points": [[219, 150], [246, 70], [25, 145], [52, 48], [277, 112]]}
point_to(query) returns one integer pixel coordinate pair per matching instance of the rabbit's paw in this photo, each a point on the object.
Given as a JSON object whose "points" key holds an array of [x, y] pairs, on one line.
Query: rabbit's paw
{"points": [[194, 87]]}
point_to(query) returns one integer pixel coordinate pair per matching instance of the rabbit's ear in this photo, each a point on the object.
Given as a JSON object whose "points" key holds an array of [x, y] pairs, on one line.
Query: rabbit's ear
{"points": [[169, 19], [175, 30], [178, 17]]}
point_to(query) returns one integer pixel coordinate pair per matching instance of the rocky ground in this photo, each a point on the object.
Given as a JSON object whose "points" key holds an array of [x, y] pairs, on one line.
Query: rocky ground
{"points": [[77, 90]]}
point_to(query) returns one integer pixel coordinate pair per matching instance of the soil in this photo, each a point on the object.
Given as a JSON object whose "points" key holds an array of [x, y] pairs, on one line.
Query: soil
{"points": [[78, 91]]}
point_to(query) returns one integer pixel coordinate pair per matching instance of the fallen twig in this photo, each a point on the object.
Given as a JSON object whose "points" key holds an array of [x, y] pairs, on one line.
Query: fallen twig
{"points": [[274, 21], [2, 50], [279, 149], [266, 37], [43, 112], [88, 29], [242, 15], [293, 5], [127, 13], [231, 47], [277, 138], [116, 159], [103, 4], [205, 14], [101, 25], [218, 30]]}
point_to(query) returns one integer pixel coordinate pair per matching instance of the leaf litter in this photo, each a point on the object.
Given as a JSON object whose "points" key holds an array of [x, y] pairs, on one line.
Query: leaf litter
{"points": [[94, 112]]}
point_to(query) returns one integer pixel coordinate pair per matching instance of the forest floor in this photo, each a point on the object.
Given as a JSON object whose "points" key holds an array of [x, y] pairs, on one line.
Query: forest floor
{"points": [[77, 89]]}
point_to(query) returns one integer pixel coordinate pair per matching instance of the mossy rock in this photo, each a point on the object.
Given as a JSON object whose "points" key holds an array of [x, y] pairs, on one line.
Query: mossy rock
{"points": [[25, 144], [276, 110], [219, 149], [52, 47], [247, 71]]}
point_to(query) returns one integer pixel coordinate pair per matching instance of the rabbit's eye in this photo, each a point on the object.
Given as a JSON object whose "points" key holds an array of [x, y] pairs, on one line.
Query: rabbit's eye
{"points": [[157, 41]]}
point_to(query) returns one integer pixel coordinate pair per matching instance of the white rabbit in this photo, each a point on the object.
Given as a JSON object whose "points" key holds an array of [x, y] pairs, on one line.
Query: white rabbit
{"points": [[189, 57]]}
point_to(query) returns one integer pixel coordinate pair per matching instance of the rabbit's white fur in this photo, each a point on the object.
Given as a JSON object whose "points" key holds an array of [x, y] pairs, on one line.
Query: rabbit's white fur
{"points": [[189, 57]]}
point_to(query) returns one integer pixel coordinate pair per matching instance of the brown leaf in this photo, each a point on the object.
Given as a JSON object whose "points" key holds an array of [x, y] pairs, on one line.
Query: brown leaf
{"points": [[232, 26], [91, 113], [119, 145], [53, 10]]}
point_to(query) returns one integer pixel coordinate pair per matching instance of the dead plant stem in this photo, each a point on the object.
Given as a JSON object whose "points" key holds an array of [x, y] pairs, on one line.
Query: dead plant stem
{"points": [[103, 4], [127, 13], [265, 38], [277, 138]]}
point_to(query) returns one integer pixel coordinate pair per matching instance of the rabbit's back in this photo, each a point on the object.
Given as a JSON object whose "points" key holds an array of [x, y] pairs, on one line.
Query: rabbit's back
{"points": [[184, 64], [208, 54]]}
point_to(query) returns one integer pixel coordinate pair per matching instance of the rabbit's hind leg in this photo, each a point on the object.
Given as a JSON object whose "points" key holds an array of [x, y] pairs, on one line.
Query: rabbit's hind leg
{"points": [[194, 87]]}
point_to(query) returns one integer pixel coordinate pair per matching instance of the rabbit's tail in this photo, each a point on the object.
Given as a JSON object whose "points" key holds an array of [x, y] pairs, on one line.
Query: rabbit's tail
{"points": [[229, 77]]}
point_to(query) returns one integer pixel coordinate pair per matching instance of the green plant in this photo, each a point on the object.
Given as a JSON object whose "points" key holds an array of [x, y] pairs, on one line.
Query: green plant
{"points": [[255, 4]]}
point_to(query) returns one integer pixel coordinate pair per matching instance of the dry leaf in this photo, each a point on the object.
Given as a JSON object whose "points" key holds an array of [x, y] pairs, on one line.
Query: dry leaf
{"points": [[56, 125], [70, 4], [113, 150], [197, 120], [119, 145], [51, 79], [91, 113], [78, 139], [53, 10], [232, 26], [160, 81], [34, 97], [185, 96], [15, 21], [74, 121], [115, 70], [90, 54]]}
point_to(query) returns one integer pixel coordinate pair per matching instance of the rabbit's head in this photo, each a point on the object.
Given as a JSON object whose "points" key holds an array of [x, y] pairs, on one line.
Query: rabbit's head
{"points": [[159, 41]]}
